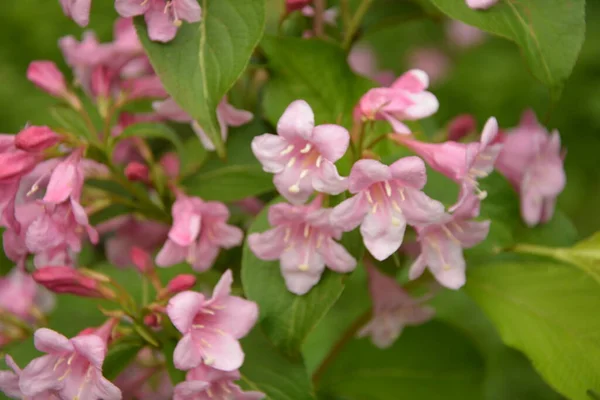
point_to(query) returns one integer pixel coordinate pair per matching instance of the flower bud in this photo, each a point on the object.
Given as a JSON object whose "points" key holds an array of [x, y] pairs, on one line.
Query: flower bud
{"points": [[69, 280], [461, 126], [46, 76], [36, 138], [16, 164], [147, 87], [170, 164], [136, 171], [141, 259], [181, 283], [293, 5], [101, 81]]}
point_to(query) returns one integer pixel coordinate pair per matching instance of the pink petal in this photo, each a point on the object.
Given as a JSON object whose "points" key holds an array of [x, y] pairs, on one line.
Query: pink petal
{"points": [[185, 229], [268, 245], [39, 376], [397, 126], [204, 255], [103, 389], [92, 347], [170, 254], [350, 213], [224, 352], [189, 390], [337, 257], [292, 187], [532, 204], [227, 236], [383, 233], [187, 10], [204, 139], [233, 315], [183, 308], [331, 140], [481, 4], [223, 287], [470, 233], [413, 81], [268, 148], [301, 268], [417, 268], [489, 133], [329, 180], [171, 110], [410, 171], [62, 183], [424, 105], [446, 262], [160, 26], [419, 208], [186, 355], [366, 172], [48, 341], [131, 8], [297, 122], [231, 115]]}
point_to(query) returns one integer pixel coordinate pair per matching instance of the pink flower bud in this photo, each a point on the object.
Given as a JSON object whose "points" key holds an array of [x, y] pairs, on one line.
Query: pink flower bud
{"points": [[136, 171], [101, 81], [15, 164], [141, 259], [147, 87], [36, 138], [181, 283], [293, 5], [69, 280], [171, 165], [461, 126], [151, 320], [46, 76]]}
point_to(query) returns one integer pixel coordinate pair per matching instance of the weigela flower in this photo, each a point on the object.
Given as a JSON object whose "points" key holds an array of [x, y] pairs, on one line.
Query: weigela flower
{"points": [[393, 309], [63, 279], [77, 10], [71, 369], [294, 5], [464, 163], [405, 100], [198, 233], [304, 240], [481, 4], [18, 293], [47, 76], [227, 115], [301, 155], [211, 327], [385, 199], [532, 161], [205, 383], [442, 244], [9, 383], [163, 17], [36, 138]]}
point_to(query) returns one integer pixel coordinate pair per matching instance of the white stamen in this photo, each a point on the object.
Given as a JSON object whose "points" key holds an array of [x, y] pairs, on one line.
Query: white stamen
{"points": [[198, 326], [374, 209], [306, 231], [319, 240], [208, 360], [369, 198], [291, 162], [303, 267], [401, 191], [294, 188], [450, 235], [288, 232], [396, 206], [306, 148], [388, 188], [33, 189], [396, 221], [303, 173], [318, 162], [287, 150]]}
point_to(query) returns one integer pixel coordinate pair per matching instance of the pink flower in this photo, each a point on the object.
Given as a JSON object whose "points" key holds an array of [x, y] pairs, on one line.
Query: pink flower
{"points": [[302, 156], [14, 163], [532, 161], [463, 35], [36, 138], [393, 309], [303, 239], [181, 283], [363, 61], [211, 327], [46, 76], [386, 199], [462, 162], [442, 244], [61, 279], [136, 171], [198, 233], [294, 5], [405, 99], [145, 87], [162, 17], [9, 383], [78, 10], [481, 4], [18, 294], [205, 383], [227, 115], [71, 369]]}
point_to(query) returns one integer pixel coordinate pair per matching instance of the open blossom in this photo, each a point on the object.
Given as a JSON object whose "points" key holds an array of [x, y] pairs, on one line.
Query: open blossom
{"points": [[211, 327], [481, 4], [442, 244], [78, 10], [405, 100], [464, 163], [304, 240], [198, 233], [532, 161], [163, 17], [227, 115], [302, 155], [385, 199], [71, 369], [18, 294], [9, 383], [393, 309], [206, 383]]}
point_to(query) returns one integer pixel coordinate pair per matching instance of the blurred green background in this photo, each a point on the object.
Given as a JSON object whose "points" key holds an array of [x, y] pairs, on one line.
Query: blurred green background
{"points": [[489, 79]]}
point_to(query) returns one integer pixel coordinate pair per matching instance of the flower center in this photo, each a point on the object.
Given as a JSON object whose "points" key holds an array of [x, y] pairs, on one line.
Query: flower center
{"points": [[381, 196], [303, 157]]}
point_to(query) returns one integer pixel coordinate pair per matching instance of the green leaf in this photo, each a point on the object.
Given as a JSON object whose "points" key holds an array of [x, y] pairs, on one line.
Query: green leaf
{"points": [[544, 310], [314, 71], [236, 178], [112, 211], [204, 60], [267, 371], [120, 355], [71, 121], [432, 361], [154, 131], [286, 318], [549, 32], [6, 264]]}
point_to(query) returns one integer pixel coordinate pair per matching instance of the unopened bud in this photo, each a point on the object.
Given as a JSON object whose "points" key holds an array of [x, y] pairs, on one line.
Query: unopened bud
{"points": [[461, 126], [147, 87], [152, 320], [101, 81], [181, 283], [71, 281], [16, 164], [170, 164], [36, 138], [136, 171], [293, 5], [47, 76], [141, 259]]}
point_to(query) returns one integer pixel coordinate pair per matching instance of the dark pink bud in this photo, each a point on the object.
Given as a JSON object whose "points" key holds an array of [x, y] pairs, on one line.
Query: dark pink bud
{"points": [[46, 76], [461, 126], [136, 171], [36, 138], [101, 81], [71, 281], [16, 164], [293, 5], [151, 320], [181, 283], [141, 259], [171, 165]]}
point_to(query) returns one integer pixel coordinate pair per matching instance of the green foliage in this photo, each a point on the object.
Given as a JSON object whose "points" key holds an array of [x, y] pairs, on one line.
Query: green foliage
{"points": [[550, 32], [153, 131], [204, 60]]}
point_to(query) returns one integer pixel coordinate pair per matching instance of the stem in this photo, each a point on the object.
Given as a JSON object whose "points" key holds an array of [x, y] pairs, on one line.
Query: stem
{"points": [[535, 250], [345, 12], [319, 19], [348, 335], [355, 23], [375, 141]]}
